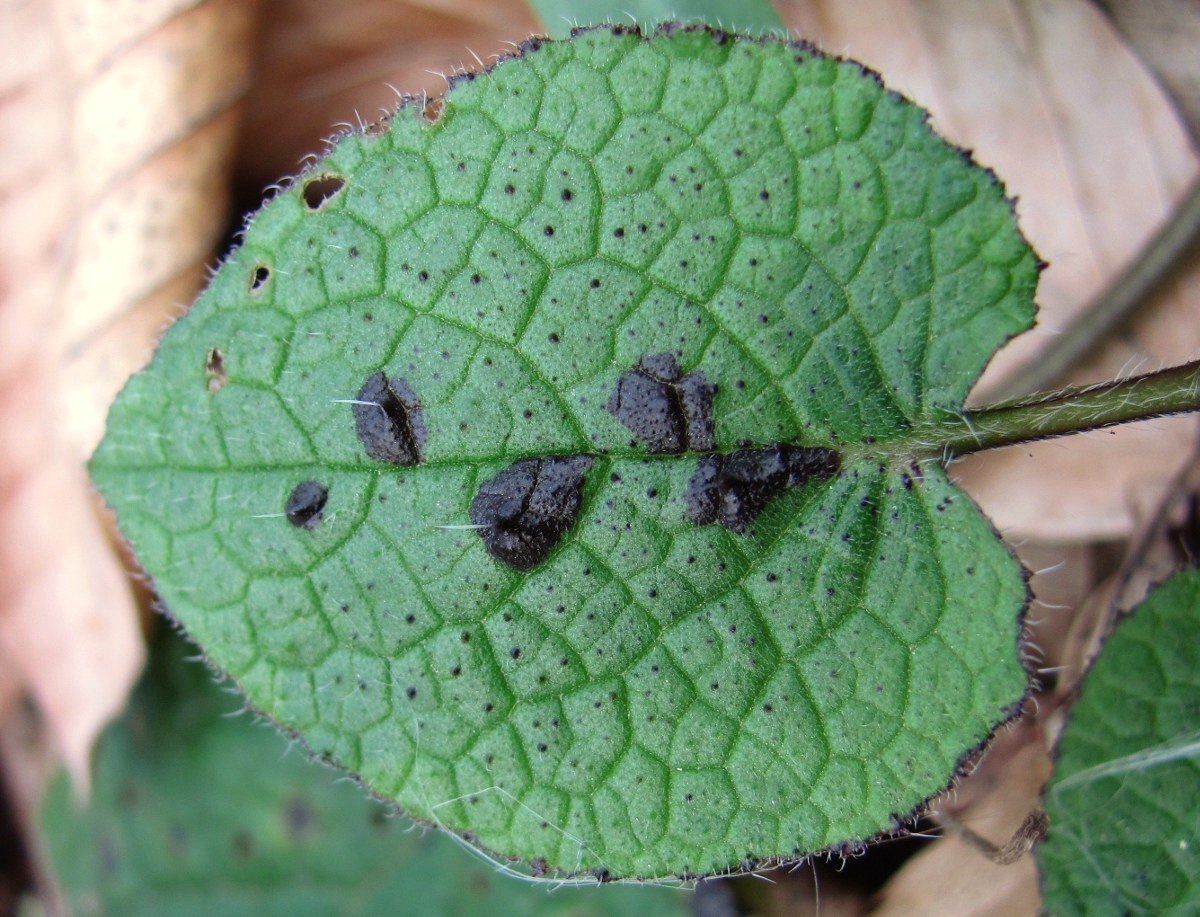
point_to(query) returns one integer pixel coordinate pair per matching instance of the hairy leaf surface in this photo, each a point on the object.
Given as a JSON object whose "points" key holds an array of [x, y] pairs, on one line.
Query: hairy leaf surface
{"points": [[195, 812], [545, 458]]}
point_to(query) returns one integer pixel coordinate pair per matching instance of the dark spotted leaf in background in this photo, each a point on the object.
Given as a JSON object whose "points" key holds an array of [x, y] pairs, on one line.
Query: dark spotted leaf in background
{"points": [[756, 620], [1124, 801]]}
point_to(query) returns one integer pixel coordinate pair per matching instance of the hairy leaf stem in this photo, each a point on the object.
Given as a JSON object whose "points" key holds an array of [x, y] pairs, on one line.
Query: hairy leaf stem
{"points": [[1076, 410]]}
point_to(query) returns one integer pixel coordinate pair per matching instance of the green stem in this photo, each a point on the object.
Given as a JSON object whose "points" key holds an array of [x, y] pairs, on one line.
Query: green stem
{"points": [[1077, 410]]}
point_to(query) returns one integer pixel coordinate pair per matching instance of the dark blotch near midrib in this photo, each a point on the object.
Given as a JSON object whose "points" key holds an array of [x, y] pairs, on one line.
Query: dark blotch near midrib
{"points": [[733, 488], [389, 420], [526, 508], [667, 411], [305, 504]]}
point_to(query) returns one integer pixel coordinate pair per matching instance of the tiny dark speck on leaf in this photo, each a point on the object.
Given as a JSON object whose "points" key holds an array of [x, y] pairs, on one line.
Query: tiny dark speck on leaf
{"points": [[305, 504], [243, 845]]}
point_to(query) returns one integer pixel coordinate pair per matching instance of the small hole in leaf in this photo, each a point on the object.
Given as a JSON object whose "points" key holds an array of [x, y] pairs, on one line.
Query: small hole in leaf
{"points": [[214, 368], [433, 110], [262, 274], [319, 190]]}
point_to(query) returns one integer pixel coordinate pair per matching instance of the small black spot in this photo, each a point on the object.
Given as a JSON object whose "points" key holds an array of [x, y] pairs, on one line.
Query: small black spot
{"points": [[549, 230], [305, 504], [566, 194], [320, 189], [389, 420], [411, 692], [525, 509], [732, 489], [243, 845], [667, 411]]}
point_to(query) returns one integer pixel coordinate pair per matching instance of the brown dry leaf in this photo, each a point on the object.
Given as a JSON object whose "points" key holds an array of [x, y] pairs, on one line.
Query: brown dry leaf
{"points": [[318, 70], [1167, 34], [1048, 95], [119, 125], [953, 877]]}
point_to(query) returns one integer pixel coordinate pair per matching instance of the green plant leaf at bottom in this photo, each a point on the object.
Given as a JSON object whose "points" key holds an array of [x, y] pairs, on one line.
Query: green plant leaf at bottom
{"points": [[1124, 801], [560, 16], [195, 812], [549, 459]]}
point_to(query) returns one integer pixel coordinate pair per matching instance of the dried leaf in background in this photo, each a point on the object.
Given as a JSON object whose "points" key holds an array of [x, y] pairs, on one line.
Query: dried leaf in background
{"points": [[120, 121], [316, 71]]}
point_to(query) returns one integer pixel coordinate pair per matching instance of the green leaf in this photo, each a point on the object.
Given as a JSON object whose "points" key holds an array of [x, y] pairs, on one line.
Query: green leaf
{"points": [[666, 590], [194, 812], [1124, 801], [560, 16]]}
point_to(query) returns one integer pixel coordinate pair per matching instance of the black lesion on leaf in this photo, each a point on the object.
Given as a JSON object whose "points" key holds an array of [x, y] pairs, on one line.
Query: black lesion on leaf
{"points": [[389, 421], [665, 410], [306, 503], [732, 489], [524, 510]]}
